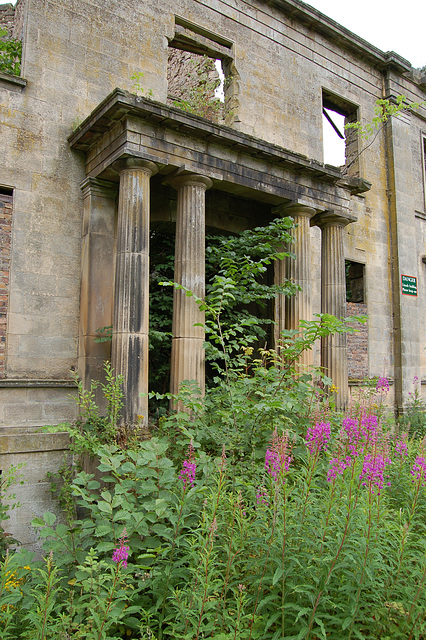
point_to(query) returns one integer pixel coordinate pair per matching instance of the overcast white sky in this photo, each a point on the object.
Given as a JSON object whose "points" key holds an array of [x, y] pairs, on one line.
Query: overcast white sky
{"points": [[390, 26]]}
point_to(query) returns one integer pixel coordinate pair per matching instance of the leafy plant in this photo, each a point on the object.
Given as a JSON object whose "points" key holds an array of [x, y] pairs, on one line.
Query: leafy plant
{"points": [[7, 502], [138, 87], [10, 53]]}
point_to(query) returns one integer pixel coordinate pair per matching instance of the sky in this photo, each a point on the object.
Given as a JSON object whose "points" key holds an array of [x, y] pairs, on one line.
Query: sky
{"points": [[389, 26]]}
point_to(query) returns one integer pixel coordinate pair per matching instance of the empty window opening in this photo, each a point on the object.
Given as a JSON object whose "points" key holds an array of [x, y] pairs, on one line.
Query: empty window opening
{"points": [[355, 288], [11, 29], [340, 143], [200, 74], [357, 342], [194, 84]]}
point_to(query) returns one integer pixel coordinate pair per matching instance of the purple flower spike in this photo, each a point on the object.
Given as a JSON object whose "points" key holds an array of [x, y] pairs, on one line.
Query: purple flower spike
{"points": [[418, 470], [317, 437], [401, 446], [121, 553], [278, 456], [187, 474], [373, 471], [382, 385]]}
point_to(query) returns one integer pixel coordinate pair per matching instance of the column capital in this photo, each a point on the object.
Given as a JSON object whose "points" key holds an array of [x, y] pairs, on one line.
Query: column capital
{"points": [[332, 218], [194, 179], [96, 187], [295, 208], [132, 163]]}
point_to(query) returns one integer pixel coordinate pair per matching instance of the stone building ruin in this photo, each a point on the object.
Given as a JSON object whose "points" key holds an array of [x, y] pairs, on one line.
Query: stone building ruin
{"points": [[89, 165]]}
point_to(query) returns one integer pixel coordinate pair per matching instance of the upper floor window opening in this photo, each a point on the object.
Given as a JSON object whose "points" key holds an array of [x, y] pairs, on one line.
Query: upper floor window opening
{"points": [[341, 146], [11, 30], [201, 75]]}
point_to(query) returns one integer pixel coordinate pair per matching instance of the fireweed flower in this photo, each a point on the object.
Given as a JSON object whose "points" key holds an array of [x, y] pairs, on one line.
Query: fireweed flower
{"points": [[261, 496], [277, 457], [121, 553], [382, 385], [373, 471], [401, 446], [418, 470], [317, 437], [337, 467], [187, 474]]}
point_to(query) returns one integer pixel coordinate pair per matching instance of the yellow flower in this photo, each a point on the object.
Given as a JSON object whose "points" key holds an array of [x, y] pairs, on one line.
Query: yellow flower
{"points": [[333, 388]]}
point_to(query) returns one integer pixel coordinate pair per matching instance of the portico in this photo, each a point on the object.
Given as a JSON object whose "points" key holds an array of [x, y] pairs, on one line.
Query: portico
{"points": [[127, 140]]}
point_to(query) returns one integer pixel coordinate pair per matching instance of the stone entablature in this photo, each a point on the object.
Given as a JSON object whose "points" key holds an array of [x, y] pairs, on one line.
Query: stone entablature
{"points": [[126, 125]]}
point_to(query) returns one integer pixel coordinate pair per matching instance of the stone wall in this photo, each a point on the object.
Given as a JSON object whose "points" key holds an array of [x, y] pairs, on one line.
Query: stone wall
{"points": [[5, 241]]}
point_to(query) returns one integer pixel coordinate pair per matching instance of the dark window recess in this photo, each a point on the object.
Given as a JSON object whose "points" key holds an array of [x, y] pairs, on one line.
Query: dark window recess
{"points": [[355, 289], [340, 144]]}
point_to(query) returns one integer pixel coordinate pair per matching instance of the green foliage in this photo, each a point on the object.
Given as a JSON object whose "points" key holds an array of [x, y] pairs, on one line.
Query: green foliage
{"points": [[384, 110], [312, 541], [93, 429], [7, 502], [10, 53], [105, 334], [138, 87], [414, 416]]}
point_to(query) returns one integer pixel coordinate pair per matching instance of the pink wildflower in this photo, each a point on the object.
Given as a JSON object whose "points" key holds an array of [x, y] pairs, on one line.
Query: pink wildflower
{"points": [[187, 474], [382, 385], [277, 457], [373, 471], [317, 437], [261, 496], [337, 467], [401, 447], [121, 553], [418, 470]]}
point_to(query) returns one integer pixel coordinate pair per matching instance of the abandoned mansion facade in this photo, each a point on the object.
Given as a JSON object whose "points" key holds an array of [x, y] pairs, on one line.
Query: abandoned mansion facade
{"points": [[111, 131]]}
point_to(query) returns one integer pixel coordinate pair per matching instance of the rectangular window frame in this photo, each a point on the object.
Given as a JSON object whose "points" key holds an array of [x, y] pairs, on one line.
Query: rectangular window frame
{"points": [[351, 112]]}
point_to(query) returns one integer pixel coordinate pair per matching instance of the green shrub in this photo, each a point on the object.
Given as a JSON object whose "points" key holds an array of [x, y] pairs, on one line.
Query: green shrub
{"points": [[10, 53]]}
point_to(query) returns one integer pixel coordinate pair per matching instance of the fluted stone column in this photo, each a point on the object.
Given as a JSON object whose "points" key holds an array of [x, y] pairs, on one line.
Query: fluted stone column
{"points": [[131, 302], [291, 310], [334, 357], [187, 361]]}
